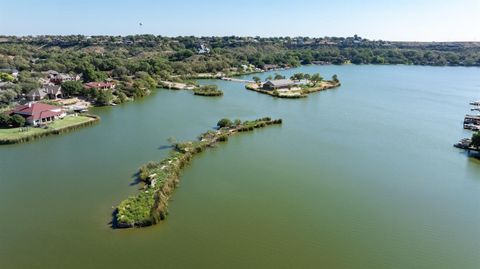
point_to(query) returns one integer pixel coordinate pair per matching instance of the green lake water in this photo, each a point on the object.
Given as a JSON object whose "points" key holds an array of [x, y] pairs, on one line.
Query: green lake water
{"points": [[364, 176]]}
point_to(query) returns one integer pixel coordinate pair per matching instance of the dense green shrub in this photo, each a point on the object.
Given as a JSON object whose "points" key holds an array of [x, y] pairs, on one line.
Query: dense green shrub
{"points": [[17, 121], [224, 123]]}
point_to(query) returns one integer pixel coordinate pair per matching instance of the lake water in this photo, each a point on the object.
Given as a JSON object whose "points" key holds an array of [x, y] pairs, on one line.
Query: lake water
{"points": [[364, 176]]}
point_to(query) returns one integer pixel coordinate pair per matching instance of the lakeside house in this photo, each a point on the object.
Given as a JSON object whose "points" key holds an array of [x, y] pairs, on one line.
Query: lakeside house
{"points": [[36, 114], [51, 92], [100, 85], [278, 84], [270, 67]]}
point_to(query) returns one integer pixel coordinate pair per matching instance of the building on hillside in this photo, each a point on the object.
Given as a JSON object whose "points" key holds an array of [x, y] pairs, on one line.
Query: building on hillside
{"points": [[36, 114], [100, 86], [203, 49], [57, 78], [270, 67], [51, 92], [278, 84]]}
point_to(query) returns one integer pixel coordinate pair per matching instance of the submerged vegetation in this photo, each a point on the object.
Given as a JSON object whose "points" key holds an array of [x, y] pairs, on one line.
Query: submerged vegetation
{"points": [[208, 90], [150, 206]]}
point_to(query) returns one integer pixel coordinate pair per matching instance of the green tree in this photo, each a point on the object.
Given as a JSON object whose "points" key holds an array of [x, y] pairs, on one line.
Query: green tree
{"points": [[476, 140], [70, 88], [335, 78], [104, 97], [4, 120], [269, 78], [224, 123], [278, 76], [17, 121], [316, 78], [6, 77], [298, 76], [256, 79]]}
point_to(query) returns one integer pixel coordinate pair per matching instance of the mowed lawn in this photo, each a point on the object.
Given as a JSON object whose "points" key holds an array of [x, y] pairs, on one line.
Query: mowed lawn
{"points": [[15, 133]]}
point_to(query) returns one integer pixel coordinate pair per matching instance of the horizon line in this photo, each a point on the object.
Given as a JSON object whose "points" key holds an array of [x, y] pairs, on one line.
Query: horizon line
{"points": [[239, 36]]}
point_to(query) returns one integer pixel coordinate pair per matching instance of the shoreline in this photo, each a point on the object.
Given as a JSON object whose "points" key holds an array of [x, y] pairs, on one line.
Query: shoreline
{"points": [[161, 178]]}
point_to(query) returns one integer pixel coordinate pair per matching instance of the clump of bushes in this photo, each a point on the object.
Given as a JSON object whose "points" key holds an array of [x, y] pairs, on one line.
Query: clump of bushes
{"points": [[208, 90], [14, 121], [225, 122]]}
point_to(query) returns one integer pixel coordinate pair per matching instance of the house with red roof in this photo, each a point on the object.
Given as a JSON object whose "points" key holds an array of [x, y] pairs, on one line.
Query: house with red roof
{"points": [[38, 113]]}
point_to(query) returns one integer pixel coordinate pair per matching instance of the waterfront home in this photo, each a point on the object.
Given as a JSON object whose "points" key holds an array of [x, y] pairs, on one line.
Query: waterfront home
{"points": [[278, 84], [269, 67], [37, 113], [51, 92], [100, 85]]}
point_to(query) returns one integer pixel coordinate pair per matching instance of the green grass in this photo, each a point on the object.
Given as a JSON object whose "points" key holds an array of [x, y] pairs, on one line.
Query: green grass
{"points": [[20, 133]]}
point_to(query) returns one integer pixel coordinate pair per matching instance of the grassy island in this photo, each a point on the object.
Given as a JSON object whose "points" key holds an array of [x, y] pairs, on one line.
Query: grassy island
{"points": [[161, 178], [298, 86], [208, 90], [25, 134]]}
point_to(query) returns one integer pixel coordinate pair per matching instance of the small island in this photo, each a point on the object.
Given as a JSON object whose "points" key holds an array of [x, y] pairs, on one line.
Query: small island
{"points": [[208, 90], [161, 178], [298, 86]]}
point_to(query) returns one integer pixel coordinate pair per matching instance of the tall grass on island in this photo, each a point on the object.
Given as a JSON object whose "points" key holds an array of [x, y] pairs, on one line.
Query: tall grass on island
{"points": [[160, 178], [208, 90]]}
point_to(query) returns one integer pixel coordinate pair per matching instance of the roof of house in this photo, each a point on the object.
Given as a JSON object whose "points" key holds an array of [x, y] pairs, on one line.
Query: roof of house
{"points": [[279, 83], [92, 85], [37, 111], [8, 70], [46, 89]]}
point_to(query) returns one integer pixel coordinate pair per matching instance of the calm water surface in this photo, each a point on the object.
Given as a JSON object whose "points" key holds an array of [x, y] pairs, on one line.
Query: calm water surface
{"points": [[364, 176]]}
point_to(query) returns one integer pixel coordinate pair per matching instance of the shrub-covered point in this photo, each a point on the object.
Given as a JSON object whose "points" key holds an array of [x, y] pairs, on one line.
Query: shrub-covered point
{"points": [[208, 90], [161, 178]]}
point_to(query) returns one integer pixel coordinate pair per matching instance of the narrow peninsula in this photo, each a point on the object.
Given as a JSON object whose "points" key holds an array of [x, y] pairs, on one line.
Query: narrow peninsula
{"points": [[161, 178]]}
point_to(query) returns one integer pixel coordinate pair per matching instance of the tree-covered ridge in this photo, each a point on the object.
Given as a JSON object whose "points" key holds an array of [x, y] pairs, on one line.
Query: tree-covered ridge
{"points": [[139, 63], [180, 55]]}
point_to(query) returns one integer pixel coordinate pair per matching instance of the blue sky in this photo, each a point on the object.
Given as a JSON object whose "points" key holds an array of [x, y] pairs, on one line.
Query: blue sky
{"points": [[422, 20]]}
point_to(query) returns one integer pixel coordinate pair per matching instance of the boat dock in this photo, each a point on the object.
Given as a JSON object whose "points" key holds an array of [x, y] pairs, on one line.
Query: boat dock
{"points": [[237, 80], [466, 144], [472, 122]]}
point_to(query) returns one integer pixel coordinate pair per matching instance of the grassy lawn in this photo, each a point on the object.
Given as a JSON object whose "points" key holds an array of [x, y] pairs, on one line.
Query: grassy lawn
{"points": [[15, 133]]}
